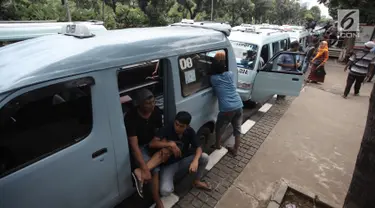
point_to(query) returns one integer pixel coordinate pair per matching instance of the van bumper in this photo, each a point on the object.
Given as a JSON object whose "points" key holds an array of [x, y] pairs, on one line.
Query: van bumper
{"points": [[244, 94]]}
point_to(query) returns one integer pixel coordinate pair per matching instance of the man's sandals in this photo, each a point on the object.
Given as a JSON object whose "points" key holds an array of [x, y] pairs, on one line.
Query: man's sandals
{"points": [[138, 185]]}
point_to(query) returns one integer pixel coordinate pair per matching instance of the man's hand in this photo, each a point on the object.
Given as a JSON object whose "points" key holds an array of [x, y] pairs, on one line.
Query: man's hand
{"points": [[146, 174], [193, 166], [298, 64], [176, 151]]}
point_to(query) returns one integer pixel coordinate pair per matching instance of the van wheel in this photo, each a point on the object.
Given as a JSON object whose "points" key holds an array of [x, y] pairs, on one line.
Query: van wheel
{"points": [[250, 104], [204, 135]]}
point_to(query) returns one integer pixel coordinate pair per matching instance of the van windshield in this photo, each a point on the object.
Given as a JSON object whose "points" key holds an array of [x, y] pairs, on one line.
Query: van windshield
{"points": [[246, 54]]}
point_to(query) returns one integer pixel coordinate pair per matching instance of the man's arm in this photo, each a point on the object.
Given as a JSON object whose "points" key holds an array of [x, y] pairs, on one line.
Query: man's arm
{"points": [[351, 60], [198, 151]]}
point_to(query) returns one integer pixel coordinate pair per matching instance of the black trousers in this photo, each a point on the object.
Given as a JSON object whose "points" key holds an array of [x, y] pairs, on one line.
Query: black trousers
{"points": [[356, 80]]}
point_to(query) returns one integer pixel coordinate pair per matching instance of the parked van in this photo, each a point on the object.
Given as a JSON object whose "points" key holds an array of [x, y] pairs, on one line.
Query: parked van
{"points": [[265, 43], [298, 34], [63, 98], [14, 31], [62, 103]]}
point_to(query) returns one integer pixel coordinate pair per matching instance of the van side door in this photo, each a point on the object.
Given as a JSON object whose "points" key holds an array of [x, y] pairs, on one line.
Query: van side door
{"points": [[55, 144], [275, 79]]}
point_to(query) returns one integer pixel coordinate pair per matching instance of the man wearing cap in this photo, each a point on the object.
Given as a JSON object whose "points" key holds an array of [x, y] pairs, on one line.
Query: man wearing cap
{"points": [[360, 65], [142, 122]]}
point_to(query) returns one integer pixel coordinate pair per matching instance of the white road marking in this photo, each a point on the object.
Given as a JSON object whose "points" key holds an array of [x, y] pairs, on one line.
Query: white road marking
{"points": [[168, 201], [274, 96], [215, 157], [247, 126], [265, 107]]}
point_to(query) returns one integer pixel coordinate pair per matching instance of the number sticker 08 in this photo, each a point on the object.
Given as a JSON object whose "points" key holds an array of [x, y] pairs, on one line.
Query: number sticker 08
{"points": [[186, 63]]}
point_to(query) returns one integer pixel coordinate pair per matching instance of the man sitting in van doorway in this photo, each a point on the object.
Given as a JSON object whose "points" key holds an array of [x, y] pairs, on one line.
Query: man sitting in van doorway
{"points": [[188, 155], [142, 122], [289, 62]]}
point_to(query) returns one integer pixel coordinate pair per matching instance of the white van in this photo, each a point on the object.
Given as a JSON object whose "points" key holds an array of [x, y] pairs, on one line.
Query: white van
{"points": [[265, 43], [299, 34]]}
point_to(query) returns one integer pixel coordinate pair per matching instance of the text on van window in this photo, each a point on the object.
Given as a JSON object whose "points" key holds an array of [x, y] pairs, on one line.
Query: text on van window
{"points": [[195, 70]]}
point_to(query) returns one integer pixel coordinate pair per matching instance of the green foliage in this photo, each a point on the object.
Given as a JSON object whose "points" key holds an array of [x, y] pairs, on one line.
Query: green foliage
{"points": [[140, 13], [366, 8]]}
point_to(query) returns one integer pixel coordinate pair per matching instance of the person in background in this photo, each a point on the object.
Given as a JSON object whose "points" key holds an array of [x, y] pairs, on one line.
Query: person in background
{"points": [[309, 55], [187, 154], [230, 103], [289, 62], [360, 65], [142, 122], [317, 73], [372, 72]]}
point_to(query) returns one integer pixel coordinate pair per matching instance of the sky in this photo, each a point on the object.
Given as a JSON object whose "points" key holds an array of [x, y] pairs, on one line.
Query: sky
{"points": [[312, 3]]}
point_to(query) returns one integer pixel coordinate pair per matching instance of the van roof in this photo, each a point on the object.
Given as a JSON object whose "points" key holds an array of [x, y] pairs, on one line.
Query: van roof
{"points": [[56, 56], [22, 30], [258, 38]]}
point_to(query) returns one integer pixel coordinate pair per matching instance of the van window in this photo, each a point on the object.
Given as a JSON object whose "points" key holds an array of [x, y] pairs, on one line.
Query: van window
{"points": [[283, 45], [265, 53], [275, 47], [148, 75], [41, 122], [246, 52], [195, 70]]}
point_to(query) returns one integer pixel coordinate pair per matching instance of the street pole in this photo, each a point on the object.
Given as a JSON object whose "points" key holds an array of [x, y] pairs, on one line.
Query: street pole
{"points": [[103, 6], [67, 10], [212, 10]]}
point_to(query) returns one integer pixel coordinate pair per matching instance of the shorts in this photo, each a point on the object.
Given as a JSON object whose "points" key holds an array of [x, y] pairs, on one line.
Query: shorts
{"points": [[231, 117], [145, 150]]}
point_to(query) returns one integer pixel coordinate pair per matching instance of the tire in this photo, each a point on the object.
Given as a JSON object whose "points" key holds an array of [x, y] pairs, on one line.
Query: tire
{"points": [[250, 104], [204, 135]]}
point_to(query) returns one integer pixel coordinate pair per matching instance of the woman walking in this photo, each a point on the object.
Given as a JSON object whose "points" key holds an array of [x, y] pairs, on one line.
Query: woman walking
{"points": [[317, 73]]}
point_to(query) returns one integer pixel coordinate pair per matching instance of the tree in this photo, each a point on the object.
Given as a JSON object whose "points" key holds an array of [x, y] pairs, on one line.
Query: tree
{"points": [[366, 8], [315, 12], [362, 187]]}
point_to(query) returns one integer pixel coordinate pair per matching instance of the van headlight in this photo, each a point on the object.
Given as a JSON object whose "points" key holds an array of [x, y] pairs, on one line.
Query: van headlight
{"points": [[243, 85]]}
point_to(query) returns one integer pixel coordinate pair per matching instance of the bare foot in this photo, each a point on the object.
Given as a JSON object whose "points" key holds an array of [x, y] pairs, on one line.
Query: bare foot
{"points": [[232, 151], [202, 185]]}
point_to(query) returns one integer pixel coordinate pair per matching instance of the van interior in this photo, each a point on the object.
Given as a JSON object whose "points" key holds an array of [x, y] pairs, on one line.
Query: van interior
{"points": [[145, 75]]}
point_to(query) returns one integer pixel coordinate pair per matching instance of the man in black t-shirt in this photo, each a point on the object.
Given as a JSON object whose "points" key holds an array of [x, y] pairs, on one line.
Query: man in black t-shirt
{"points": [[142, 122], [187, 154]]}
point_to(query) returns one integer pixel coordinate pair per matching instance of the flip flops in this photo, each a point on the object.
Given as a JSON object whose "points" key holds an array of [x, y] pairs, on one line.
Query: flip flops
{"points": [[138, 185]]}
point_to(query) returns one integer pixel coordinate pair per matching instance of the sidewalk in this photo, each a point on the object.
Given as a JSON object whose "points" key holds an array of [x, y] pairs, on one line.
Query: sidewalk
{"points": [[314, 145]]}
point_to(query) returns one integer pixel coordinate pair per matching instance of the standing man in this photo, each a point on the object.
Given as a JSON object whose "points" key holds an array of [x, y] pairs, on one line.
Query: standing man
{"points": [[230, 103], [289, 62], [360, 65]]}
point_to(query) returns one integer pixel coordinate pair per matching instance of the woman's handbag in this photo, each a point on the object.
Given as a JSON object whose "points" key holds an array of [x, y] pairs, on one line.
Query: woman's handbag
{"points": [[320, 72]]}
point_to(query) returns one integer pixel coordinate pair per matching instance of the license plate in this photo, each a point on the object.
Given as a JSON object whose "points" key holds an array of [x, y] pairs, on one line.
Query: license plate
{"points": [[243, 71]]}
